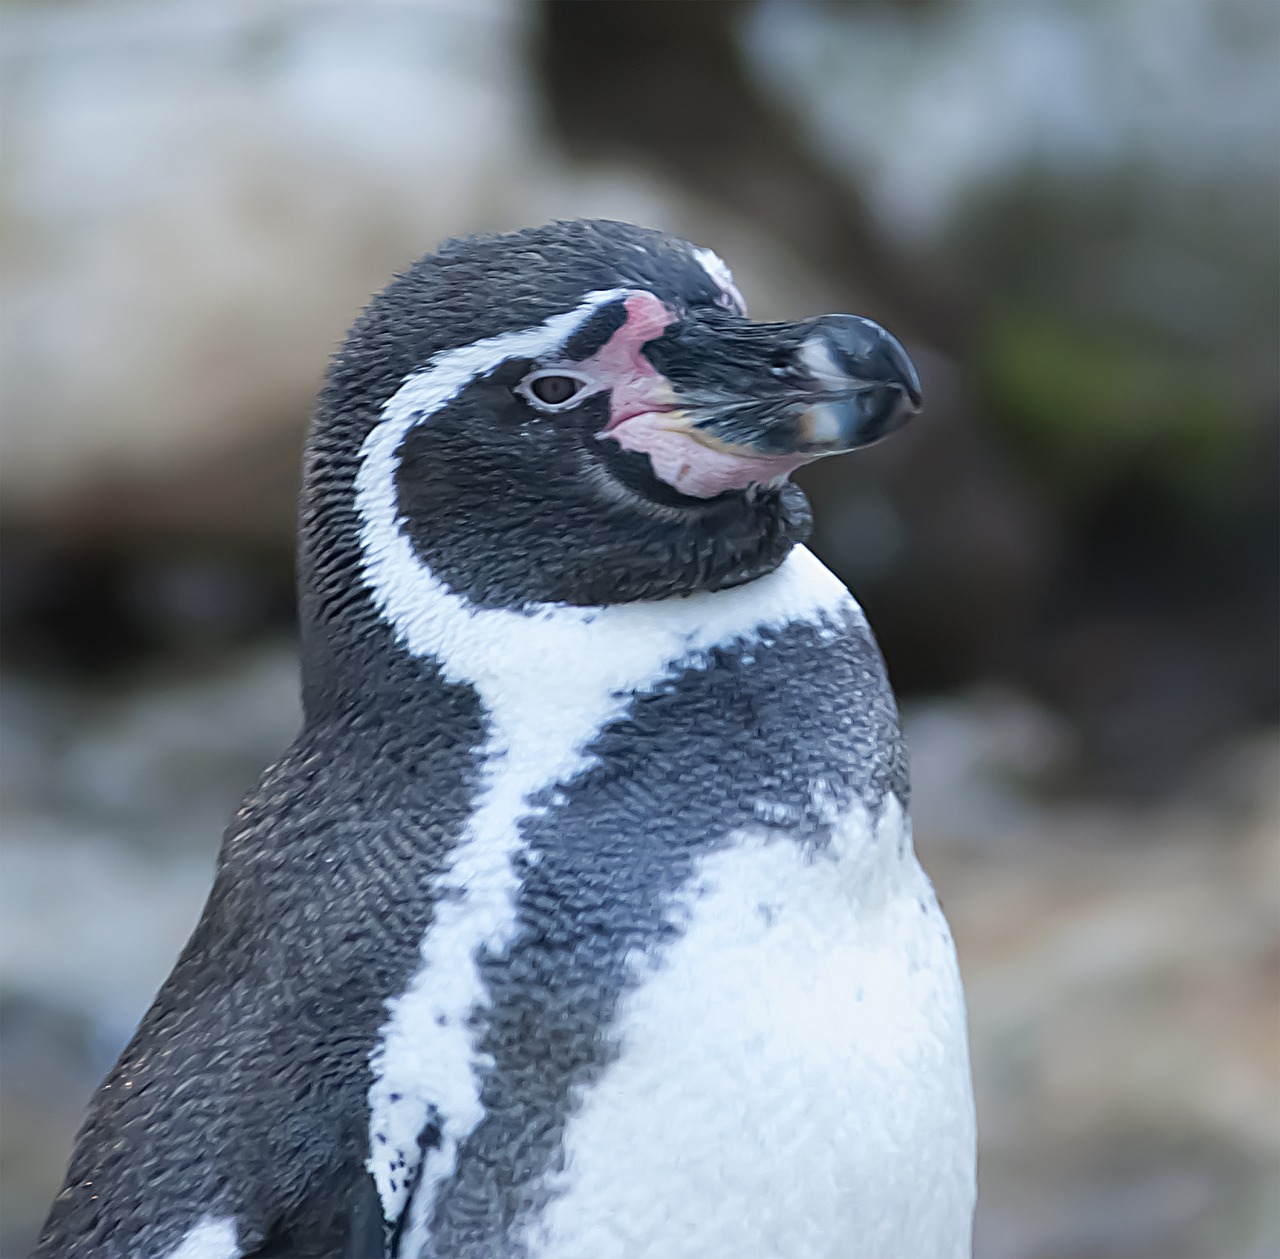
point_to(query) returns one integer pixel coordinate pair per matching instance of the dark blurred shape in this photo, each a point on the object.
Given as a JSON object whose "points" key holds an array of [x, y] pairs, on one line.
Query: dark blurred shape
{"points": [[1160, 635], [91, 612]]}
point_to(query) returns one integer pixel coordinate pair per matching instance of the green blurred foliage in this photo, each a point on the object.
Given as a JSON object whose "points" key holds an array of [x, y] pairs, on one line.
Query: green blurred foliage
{"points": [[1092, 410]]}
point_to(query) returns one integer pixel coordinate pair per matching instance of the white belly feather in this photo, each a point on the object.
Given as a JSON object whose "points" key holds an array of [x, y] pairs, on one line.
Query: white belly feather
{"points": [[792, 1078]]}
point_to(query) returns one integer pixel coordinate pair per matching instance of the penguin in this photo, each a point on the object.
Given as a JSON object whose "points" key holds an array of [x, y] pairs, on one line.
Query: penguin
{"points": [[582, 920]]}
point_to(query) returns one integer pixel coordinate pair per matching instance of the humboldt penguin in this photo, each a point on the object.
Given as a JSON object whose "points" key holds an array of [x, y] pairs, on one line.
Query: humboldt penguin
{"points": [[582, 920]]}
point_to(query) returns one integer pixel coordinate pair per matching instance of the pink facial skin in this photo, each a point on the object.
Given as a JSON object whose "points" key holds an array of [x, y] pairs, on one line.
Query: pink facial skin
{"points": [[644, 415], [694, 469]]}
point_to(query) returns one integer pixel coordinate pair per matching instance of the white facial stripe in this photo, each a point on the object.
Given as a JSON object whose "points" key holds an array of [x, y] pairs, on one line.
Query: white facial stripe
{"points": [[425, 392], [211, 1238], [580, 664]]}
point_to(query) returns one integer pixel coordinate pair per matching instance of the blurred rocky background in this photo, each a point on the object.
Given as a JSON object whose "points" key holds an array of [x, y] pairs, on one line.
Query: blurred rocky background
{"points": [[1070, 212]]}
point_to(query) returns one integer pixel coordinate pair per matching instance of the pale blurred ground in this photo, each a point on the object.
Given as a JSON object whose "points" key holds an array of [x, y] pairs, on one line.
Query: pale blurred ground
{"points": [[1071, 557]]}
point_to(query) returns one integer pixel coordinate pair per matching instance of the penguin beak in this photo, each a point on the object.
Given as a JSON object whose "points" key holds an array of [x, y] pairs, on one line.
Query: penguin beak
{"points": [[745, 403], [810, 389]]}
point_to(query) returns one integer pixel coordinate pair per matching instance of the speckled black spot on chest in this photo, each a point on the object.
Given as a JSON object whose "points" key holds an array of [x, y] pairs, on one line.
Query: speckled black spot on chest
{"points": [[666, 785]]}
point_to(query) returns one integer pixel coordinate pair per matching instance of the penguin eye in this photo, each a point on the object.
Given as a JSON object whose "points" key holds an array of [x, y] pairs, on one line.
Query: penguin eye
{"points": [[553, 391]]}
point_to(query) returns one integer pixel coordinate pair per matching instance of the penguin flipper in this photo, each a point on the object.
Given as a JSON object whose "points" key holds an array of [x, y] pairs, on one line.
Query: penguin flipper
{"points": [[368, 1235], [355, 1229]]}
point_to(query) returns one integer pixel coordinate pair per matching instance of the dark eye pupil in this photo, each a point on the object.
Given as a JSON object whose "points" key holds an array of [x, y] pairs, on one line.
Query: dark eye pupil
{"points": [[554, 389]]}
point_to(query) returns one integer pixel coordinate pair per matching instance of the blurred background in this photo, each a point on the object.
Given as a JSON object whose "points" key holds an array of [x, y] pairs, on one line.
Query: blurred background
{"points": [[1070, 212]]}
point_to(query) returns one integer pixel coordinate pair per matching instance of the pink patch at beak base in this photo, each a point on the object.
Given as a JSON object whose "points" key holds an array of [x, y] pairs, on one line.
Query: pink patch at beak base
{"points": [[634, 384], [692, 468], [641, 406]]}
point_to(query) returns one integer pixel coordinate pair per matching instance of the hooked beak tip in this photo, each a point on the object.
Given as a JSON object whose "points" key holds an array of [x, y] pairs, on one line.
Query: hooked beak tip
{"points": [[869, 384], [849, 352]]}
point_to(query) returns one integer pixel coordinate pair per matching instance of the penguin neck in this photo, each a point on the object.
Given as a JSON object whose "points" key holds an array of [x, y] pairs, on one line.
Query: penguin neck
{"points": [[403, 627], [373, 582]]}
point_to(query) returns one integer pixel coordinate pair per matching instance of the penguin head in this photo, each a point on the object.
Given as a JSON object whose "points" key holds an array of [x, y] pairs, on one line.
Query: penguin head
{"points": [[581, 414]]}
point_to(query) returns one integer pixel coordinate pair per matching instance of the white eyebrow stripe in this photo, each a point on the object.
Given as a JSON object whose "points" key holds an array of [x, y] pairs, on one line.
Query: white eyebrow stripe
{"points": [[425, 391]]}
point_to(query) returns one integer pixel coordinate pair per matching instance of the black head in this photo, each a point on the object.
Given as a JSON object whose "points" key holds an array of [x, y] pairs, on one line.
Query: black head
{"points": [[579, 413]]}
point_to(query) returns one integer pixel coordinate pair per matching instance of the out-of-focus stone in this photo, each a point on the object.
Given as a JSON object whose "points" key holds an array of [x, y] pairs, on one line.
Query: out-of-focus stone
{"points": [[136, 760], [1122, 968], [972, 94], [196, 199], [978, 763]]}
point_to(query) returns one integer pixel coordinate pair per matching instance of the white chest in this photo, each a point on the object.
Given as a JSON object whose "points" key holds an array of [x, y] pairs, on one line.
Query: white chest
{"points": [[792, 1076]]}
